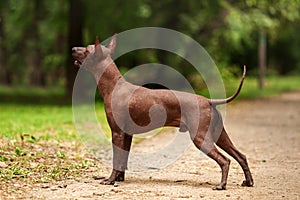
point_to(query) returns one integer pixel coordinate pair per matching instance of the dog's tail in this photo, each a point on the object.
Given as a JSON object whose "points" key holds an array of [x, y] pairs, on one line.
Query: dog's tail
{"points": [[215, 102]]}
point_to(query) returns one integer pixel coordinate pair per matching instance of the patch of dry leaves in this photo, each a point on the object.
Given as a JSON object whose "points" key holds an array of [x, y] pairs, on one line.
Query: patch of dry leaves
{"points": [[30, 165]]}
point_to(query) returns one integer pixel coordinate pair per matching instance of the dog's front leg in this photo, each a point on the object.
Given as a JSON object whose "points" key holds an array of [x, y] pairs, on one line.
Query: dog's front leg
{"points": [[121, 148]]}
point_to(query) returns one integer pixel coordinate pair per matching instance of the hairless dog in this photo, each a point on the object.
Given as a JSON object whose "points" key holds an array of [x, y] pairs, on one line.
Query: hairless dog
{"points": [[145, 106]]}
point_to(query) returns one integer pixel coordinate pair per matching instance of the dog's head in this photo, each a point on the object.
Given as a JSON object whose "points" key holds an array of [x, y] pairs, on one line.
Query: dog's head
{"points": [[90, 56]]}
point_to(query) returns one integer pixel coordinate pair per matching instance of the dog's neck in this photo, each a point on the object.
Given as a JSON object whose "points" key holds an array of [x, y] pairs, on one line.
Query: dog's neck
{"points": [[107, 77]]}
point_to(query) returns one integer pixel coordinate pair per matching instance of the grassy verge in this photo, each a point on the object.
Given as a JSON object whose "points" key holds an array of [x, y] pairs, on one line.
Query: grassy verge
{"points": [[273, 85], [42, 122], [39, 144], [33, 95], [37, 122]]}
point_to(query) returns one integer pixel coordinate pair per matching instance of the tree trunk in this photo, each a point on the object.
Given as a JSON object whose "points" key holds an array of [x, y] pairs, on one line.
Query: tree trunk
{"points": [[37, 77], [5, 74], [75, 39], [262, 57]]}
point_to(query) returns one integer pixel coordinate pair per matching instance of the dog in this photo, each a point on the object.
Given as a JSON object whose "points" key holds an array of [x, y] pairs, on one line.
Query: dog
{"points": [[135, 109]]}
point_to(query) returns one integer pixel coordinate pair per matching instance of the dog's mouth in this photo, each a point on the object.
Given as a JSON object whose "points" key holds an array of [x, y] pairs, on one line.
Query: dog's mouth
{"points": [[77, 63], [79, 54]]}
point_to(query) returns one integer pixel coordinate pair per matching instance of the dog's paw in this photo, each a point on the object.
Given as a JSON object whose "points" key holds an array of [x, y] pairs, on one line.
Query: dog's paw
{"points": [[247, 183], [219, 187], [107, 182], [115, 176]]}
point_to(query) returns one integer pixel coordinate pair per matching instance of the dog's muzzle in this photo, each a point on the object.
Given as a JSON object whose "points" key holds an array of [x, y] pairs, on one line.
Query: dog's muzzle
{"points": [[78, 54]]}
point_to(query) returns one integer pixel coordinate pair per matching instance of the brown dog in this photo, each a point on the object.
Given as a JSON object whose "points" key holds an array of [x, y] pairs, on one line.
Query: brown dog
{"points": [[135, 109]]}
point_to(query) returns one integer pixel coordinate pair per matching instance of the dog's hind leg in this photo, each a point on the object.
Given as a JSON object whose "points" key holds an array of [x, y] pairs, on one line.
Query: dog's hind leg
{"points": [[121, 148], [225, 143], [208, 147], [224, 164]]}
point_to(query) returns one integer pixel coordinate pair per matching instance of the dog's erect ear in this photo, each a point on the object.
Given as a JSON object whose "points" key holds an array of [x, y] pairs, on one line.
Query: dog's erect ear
{"points": [[96, 41], [112, 44], [98, 49]]}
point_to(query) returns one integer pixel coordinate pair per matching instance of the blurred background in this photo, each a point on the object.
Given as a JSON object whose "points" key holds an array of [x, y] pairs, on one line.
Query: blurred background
{"points": [[36, 37]]}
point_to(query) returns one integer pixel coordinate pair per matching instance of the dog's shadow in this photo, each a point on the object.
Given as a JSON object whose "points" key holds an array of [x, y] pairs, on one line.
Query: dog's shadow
{"points": [[166, 182]]}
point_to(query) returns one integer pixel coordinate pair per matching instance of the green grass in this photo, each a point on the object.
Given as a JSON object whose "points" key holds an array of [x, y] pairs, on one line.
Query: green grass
{"points": [[42, 122], [273, 85], [38, 115], [39, 121]]}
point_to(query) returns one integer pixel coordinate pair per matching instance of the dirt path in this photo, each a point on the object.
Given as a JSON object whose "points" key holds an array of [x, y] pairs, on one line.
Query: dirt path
{"points": [[266, 130]]}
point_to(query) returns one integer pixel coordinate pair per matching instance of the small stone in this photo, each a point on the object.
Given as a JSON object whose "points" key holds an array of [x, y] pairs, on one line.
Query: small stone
{"points": [[63, 186], [98, 177], [53, 188], [98, 194], [227, 195], [114, 190], [179, 181], [45, 186], [3, 165], [116, 185]]}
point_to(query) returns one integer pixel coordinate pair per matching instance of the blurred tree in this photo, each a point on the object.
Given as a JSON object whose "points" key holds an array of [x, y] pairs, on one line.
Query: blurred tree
{"points": [[248, 25], [285, 56], [76, 19], [16, 20], [36, 37], [34, 46], [262, 57], [36, 74], [53, 31], [5, 74]]}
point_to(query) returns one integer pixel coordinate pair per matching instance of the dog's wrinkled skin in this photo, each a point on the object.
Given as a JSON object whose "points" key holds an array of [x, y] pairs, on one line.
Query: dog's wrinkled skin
{"points": [[203, 129]]}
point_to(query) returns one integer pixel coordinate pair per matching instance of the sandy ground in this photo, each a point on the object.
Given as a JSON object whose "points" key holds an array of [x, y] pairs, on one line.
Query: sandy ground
{"points": [[267, 131]]}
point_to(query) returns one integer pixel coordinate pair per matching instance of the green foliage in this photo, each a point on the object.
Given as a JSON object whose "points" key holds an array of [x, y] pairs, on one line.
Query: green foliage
{"points": [[18, 151], [35, 40], [287, 49], [60, 154], [19, 19]]}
